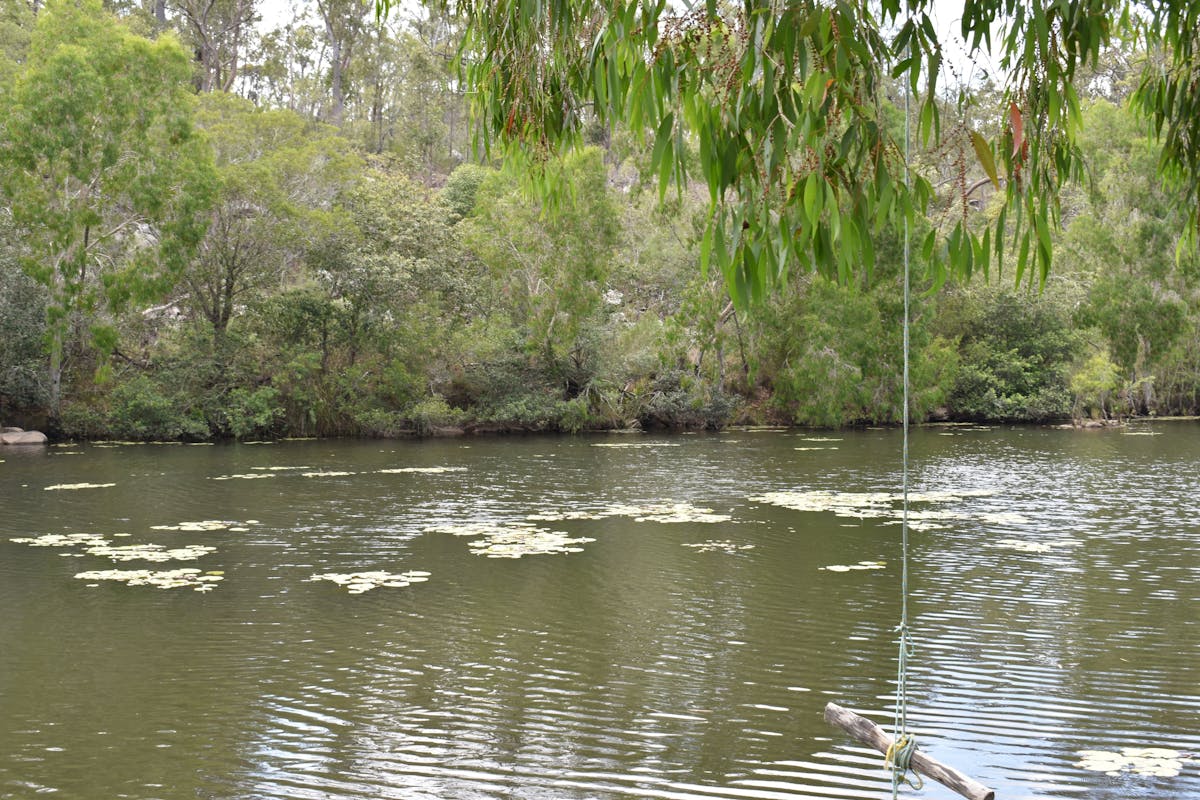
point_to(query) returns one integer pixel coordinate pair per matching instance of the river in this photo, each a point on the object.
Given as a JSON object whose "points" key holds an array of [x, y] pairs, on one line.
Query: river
{"points": [[683, 645]]}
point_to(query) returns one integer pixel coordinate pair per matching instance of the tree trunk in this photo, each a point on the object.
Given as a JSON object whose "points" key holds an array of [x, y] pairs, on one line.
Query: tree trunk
{"points": [[55, 371], [337, 107]]}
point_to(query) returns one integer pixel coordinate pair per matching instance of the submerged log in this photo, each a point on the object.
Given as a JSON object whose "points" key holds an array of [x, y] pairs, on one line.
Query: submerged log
{"points": [[872, 735]]}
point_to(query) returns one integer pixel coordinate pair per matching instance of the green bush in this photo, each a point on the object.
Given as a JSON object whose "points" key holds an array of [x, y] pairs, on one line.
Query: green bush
{"points": [[254, 414], [432, 413], [461, 188], [1094, 385], [677, 399], [83, 420], [1015, 354], [139, 410], [380, 424]]}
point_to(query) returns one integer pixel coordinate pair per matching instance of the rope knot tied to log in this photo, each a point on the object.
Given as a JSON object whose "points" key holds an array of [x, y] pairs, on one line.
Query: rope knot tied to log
{"points": [[870, 734], [899, 761]]}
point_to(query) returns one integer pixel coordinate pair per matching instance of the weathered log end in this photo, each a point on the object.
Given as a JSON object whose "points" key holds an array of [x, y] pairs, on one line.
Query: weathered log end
{"points": [[870, 734]]}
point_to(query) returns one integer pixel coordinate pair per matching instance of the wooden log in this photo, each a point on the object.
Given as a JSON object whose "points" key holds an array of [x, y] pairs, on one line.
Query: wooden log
{"points": [[872, 735]]}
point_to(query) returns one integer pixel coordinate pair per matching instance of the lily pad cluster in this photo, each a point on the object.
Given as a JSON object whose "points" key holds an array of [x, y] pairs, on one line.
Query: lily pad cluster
{"points": [[184, 578], [96, 545], [360, 582], [858, 566], [203, 525], [1159, 762], [150, 552], [885, 505], [718, 546], [513, 539]]}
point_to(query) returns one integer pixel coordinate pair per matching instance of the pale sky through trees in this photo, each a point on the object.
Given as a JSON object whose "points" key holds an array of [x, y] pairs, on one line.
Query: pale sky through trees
{"points": [[947, 15]]}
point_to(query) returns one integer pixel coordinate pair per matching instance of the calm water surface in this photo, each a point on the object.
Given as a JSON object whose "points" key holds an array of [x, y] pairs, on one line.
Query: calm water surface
{"points": [[638, 668]]}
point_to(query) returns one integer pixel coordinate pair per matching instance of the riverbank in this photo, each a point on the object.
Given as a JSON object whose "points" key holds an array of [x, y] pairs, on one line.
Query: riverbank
{"points": [[491, 429]]}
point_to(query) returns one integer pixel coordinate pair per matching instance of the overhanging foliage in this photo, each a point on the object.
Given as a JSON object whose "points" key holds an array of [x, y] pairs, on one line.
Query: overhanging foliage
{"points": [[781, 109]]}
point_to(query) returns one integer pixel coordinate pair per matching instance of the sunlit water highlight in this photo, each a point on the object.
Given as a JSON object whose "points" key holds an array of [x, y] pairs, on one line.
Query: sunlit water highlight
{"points": [[1056, 612]]}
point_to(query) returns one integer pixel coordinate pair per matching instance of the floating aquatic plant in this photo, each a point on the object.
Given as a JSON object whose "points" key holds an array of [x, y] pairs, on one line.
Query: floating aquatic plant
{"points": [[653, 512], [359, 582], [718, 546], [1158, 762], [882, 505], [513, 539], [757, 429], [63, 540], [78, 486], [1023, 546], [859, 565], [196, 527], [186, 577], [150, 552], [516, 543], [428, 470], [678, 512], [635, 445]]}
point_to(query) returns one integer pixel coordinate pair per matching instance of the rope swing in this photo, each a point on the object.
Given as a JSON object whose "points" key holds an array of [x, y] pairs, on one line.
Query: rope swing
{"points": [[900, 749], [899, 755]]}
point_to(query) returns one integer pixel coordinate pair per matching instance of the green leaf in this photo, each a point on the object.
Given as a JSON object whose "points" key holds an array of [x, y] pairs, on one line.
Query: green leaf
{"points": [[983, 152]]}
